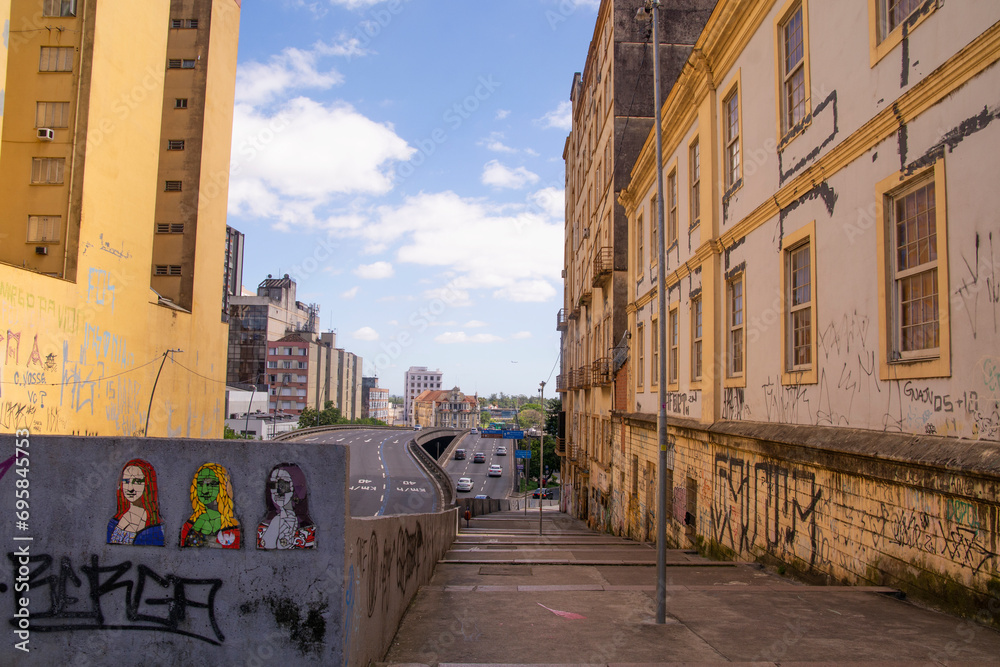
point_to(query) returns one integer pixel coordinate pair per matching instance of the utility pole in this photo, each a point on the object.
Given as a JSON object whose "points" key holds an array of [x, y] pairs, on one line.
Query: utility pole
{"points": [[149, 410], [541, 458], [651, 11]]}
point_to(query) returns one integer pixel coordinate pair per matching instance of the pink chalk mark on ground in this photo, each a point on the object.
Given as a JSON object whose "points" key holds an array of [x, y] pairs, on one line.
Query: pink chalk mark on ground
{"points": [[564, 614]]}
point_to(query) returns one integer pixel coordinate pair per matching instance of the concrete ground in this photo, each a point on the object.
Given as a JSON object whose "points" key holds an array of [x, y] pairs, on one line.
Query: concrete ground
{"points": [[505, 595]]}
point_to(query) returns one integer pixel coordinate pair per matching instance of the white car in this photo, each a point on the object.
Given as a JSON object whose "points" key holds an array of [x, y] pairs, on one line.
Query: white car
{"points": [[474, 430], [501, 450], [464, 484], [495, 470]]}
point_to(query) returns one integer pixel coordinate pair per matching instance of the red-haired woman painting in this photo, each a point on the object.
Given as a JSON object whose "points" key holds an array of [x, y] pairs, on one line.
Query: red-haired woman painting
{"points": [[137, 521]]}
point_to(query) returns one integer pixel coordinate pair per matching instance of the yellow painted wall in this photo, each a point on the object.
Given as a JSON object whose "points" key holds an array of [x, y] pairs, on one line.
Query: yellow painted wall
{"points": [[4, 39], [82, 357]]}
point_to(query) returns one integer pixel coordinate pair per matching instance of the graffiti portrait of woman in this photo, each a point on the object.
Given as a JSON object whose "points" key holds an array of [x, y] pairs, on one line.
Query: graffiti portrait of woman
{"points": [[137, 521], [286, 524], [213, 523]]}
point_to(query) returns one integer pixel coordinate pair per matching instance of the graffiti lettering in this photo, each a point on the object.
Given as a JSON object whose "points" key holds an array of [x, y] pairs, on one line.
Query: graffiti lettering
{"points": [[68, 612]]}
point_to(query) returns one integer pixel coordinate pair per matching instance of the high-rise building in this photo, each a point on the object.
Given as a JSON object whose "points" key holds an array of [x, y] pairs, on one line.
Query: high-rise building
{"points": [[374, 400], [416, 380], [83, 167], [232, 278], [613, 113]]}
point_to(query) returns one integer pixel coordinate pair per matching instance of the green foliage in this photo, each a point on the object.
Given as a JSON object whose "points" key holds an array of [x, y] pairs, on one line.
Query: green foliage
{"points": [[230, 434], [330, 416], [553, 407], [529, 418]]}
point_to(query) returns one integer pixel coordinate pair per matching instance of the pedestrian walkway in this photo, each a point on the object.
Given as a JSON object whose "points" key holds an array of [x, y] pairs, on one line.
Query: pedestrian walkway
{"points": [[506, 595]]}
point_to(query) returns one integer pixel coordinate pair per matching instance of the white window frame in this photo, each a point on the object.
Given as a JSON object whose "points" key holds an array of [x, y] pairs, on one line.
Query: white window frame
{"points": [[44, 228], [736, 347], [802, 240], [697, 337]]}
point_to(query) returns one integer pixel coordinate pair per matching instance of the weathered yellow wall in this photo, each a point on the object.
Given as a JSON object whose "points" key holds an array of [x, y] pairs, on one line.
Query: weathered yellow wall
{"points": [[853, 511], [4, 39], [82, 357]]}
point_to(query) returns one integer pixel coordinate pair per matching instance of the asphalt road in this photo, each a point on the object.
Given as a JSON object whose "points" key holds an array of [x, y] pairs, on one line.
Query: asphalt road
{"points": [[385, 478], [494, 487]]}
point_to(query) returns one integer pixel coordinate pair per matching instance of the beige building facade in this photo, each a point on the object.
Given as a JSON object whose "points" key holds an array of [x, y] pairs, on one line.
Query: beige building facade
{"points": [[832, 390], [446, 409]]}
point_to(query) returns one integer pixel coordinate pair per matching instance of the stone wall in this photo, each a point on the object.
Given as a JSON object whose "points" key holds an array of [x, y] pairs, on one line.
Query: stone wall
{"points": [[915, 512], [387, 560], [72, 597]]}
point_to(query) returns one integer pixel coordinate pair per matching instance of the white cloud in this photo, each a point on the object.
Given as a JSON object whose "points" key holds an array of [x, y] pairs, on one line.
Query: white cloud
{"points": [[462, 337], [354, 4], [560, 118], [350, 294], [445, 232], [521, 335], [474, 324], [284, 164], [502, 113], [495, 143], [376, 271], [365, 333], [292, 69], [501, 176], [393, 323], [550, 201]]}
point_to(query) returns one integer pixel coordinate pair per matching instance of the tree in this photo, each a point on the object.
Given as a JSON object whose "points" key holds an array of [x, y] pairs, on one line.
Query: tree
{"points": [[529, 418], [553, 407], [330, 415]]}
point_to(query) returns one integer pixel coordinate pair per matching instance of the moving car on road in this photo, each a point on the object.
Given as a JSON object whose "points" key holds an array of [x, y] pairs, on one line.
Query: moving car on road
{"points": [[543, 493], [495, 470], [464, 484], [459, 454], [479, 457], [502, 450]]}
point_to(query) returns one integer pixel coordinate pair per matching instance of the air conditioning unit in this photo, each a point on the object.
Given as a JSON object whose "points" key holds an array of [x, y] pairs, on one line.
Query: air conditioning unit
{"points": [[41, 250], [46, 134]]}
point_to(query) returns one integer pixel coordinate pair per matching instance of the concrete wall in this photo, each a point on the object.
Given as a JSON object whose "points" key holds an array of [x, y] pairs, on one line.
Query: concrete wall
{"points": [[387, 560], [90, 601], [915, 512]]}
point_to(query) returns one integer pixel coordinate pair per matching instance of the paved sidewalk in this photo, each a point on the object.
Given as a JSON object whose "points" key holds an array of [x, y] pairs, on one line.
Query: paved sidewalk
{"points": [[505, 595]]}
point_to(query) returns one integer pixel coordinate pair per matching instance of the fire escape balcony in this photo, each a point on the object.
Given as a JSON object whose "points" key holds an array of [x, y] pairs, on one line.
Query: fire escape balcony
{"points": [[601, 371], [561, 383], [583, 377], [604, 264], [561, 320], [586, 296], [561, 446]]}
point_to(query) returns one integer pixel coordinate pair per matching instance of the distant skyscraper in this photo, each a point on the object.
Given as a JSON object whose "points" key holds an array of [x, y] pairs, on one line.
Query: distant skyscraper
{"points": [[415, 381]]}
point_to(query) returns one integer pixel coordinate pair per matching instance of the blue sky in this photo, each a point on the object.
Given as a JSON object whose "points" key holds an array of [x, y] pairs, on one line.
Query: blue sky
{"points": [[402, 160]]}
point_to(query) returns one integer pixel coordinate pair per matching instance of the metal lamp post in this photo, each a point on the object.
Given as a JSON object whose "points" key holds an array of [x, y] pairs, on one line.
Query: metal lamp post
{"points": [[541, 458], [651, 11]]}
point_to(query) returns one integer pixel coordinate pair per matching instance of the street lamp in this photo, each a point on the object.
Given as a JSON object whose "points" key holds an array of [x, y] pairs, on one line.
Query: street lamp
{"points": [[651, 12]]}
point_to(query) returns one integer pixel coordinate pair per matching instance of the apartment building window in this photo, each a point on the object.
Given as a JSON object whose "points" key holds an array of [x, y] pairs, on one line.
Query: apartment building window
{"points": [[44, 228], [640, 355], [674, 344], [672, 208], [52, 114], [184, 23], [175, 144], [735, 317], [914, 267], [47, 170], [694, 158], [654, 232], [272, 364], [792, 66], [179, 63], [654, 352], [59, 8], [799, 296], [170, 228], [638, 246], [886, 19], [180, 103], [56, 59], [731, 134], [696, 336], [173, 186]]}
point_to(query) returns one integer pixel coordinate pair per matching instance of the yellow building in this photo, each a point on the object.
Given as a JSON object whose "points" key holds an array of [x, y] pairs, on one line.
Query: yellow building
{"points": [[612, 114], [92, 117], [832, 367]]}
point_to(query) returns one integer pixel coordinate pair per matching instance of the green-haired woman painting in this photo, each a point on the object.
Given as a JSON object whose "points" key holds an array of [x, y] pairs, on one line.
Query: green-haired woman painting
{"points": [[212, 524]]}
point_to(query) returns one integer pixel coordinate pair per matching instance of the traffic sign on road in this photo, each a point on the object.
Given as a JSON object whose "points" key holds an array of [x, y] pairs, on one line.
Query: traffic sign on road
{"points": [[513, 435], [522, 453]]}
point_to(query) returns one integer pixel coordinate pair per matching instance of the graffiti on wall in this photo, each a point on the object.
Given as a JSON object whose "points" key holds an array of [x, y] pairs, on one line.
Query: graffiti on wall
{"points": [[286, 523], [137, 521], [213, 523], [82, 601]]}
